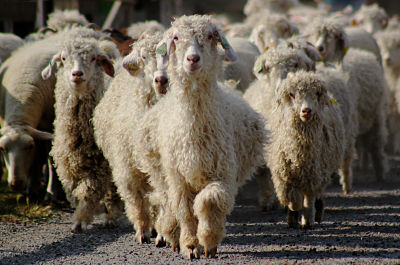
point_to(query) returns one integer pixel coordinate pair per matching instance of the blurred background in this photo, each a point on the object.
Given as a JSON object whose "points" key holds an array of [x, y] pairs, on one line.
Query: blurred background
{"points": [[25, 16]]}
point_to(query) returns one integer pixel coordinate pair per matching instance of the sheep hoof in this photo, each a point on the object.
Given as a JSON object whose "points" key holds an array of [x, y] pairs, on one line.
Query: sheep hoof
{"points": [[77, 228], [319, 210], [175, 247], [192, 253], [142, 238], [160, 241], [109, 224], [293, 219], [210, 253]]}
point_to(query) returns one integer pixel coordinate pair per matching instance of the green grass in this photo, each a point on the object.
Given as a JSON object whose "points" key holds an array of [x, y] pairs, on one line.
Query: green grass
{"points": [[14, 207]]}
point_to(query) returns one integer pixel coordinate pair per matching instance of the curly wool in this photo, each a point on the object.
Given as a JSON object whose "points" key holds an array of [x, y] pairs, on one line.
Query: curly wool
{"points": [[61, 19]]}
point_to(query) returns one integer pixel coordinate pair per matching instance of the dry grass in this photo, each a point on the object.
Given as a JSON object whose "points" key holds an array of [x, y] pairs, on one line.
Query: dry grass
{"points": [[14, 207]]}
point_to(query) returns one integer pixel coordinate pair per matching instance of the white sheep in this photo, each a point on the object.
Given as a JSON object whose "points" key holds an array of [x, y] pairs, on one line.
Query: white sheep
{"points": [[130, 94], [68, 18], [307, 144], [207, 142], [371, 17], [27, 112], [135, 30], [368, 86], [389, 42], [281, 6], [8, 43], [83, 171], [241, 69]]}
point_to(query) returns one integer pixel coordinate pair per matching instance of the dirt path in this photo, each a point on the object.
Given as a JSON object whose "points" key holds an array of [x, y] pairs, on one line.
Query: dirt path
{"points": [[361, 228]]}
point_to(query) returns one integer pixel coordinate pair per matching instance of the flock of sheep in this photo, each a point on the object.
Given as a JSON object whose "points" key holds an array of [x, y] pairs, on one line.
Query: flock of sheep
{"points": [[168, 132]]}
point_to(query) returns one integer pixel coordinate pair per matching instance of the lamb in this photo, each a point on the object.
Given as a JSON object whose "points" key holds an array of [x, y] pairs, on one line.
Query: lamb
{"points": [[371, 17], [130, 94], [8, 43], [83, 171], [307, 144], [207, 142], [367, 83]]}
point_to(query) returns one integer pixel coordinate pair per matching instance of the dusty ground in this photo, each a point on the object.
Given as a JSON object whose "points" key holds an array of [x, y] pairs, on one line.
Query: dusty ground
{"points": [[361, 228]]}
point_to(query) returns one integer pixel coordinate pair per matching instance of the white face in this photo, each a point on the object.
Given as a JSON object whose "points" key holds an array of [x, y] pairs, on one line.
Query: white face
{"points": [[391, 57], [18, 152], [326, 45], [81, 68], [305, 103]]}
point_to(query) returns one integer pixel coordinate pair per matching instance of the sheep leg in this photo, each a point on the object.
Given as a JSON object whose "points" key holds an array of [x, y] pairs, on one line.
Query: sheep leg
{"points": [[266, 192], [83, 215], [211, 206], [167, 228], [345, 171], [292, 219], [294, 206], [319, 210], [308, 212], [113, 206]]}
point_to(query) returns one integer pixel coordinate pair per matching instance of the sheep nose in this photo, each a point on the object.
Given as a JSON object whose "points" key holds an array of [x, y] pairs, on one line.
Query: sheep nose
{"points": [[77, 73], [17, 185], [306, 111], [161, 80], [387, 61], [321, 48], [193, 58]]}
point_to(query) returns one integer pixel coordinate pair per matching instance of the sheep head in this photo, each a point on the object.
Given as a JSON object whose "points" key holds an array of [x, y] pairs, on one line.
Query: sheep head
{"points": [[17, 146], [305, 94], [81, 60], [389, 43], [141, 61], [330, 39], [372, 18], [191, 43]]}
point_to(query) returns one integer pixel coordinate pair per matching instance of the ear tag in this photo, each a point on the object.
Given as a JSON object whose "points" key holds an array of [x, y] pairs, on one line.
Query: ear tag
{"points": [[224, 42], [345, 50], [333, 101], [259, 68], [162, 50], [133, 67]]}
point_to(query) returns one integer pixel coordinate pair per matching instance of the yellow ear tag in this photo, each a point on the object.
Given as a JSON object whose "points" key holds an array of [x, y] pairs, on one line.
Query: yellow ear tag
{"points": [[133, 67], [266, 48], [259, 68], [333, 101], [345, 50], [162, 50]]}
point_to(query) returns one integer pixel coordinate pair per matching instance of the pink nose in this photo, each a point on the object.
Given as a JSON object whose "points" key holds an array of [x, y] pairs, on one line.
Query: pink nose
{"points": [[193, 58], [77, 73]]}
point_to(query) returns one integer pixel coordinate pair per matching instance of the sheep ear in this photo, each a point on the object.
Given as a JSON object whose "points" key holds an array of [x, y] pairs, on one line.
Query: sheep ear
{"points": [[343, 43], [107, 65], [132, 63], [163, 51], [230, 54], [48, 71]]}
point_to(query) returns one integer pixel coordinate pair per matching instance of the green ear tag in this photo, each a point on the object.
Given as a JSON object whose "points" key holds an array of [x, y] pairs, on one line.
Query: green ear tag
{"points": [[333, 101], [259, 68], [162, 50], [224, 42]]}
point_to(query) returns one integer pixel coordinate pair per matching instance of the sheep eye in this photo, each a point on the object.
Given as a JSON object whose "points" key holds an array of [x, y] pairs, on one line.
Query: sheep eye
{"points": [[176, 38], [319, 94], [63, 58], [210, 36], [296, 65], [92, 59], [291, 95]]}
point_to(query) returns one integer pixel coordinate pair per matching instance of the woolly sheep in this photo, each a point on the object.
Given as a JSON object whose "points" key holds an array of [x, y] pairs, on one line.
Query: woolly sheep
{"points": [[371, 17], [269, 29], [280, 6], [130, 94], [241, 69], [389, 42], [135, 30], [61, 19], [83, 171], [27, 112], [307, 144], [8, 43], [207, 142], [368, 85]]}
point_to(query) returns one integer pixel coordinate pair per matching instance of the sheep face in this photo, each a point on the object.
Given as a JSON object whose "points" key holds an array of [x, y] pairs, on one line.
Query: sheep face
{"points": [[306, 98], [79, 62], [18, 150], [371, 18], [192, 44], [389, 42], [331, 44], [276, 64]]}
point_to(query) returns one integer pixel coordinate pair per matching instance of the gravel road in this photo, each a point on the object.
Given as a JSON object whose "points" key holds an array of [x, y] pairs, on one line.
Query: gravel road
{"points": [[360, 228]]}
